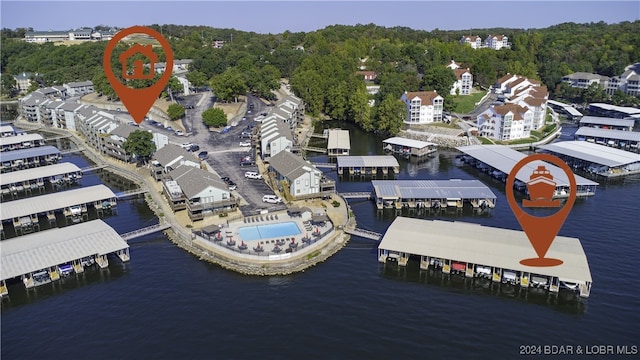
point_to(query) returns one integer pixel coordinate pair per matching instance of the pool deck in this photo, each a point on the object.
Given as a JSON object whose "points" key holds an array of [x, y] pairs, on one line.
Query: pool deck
{"points": [[228, 237]]}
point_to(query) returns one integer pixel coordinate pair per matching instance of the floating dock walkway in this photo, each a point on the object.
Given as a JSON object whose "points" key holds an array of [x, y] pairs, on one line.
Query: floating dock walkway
{"points": [[40, 258], [409, 147], [477, 251]]}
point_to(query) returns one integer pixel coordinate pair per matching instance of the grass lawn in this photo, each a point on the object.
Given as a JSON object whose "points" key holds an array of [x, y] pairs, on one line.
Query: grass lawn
{"points": [[465, 103]]}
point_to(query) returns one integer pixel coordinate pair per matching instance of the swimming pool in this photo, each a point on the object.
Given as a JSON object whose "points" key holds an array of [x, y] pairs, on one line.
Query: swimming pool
{"points": [[268, 231]]}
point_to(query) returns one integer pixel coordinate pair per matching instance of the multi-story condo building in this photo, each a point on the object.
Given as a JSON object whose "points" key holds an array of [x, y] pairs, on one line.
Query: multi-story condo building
{"points": [[463, 83], [497, 42], [505, 122], [79, 88], [473, 40], [423, 107], [583, 80]]}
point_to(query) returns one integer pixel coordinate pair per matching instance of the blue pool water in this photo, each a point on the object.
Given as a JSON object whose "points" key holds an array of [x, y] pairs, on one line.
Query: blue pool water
{"points": [[267, 231]]}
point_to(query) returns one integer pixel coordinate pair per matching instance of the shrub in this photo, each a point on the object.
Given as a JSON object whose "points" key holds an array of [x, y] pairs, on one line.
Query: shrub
{"points": [[336, 203]]}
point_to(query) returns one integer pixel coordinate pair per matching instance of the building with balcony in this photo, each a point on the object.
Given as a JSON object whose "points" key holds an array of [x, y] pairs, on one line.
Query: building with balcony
{"points": [[295, 175], [497, 42], [423, 107], [79, 88], [505, 122], [472, 40], [463, 83]]}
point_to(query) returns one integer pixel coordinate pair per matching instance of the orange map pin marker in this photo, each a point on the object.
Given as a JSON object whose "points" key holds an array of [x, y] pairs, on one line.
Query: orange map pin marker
{"points": [[541, 231], [138, 101]]}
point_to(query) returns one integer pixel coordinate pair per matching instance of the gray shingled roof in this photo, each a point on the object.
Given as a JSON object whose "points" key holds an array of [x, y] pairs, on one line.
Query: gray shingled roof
{"points": [[80, 83], [170, 152], [193, 181], [124, 130], [289, 165], [71, 106]]}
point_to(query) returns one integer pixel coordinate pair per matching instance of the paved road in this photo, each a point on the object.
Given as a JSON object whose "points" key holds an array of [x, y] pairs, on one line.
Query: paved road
{"points": [[224, 150]]}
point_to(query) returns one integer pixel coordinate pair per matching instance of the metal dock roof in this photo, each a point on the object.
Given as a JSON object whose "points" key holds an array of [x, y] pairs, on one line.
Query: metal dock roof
{"points": [[49, 248], [55, 201], [609, 134], [484, 245], [431, 189], [597, 120], [594, 153], [367, 161], [10, 140], [568, 108], [338, 139], [400, 141], [504, 159], [28, 153], [37, 173]]}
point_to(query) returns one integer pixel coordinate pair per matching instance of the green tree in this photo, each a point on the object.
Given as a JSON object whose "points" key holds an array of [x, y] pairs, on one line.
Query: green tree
{"points": [[8, 87], [197, 78], [438, 78], [174, 86], [229, 85], [175, 111], [139, 144], [390, 115], [214, 117]]}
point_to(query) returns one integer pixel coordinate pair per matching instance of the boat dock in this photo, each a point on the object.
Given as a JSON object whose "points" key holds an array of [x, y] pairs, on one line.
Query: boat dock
{"points": [[595, 159], [28, 180], [409, 147], [40, 258], [435, 194], [19, 142], [339, 143], [477, 251], [368, 165], [607, 123], [24, 214], [371, 235], [498, 161], [28, 158], [625, 140]]}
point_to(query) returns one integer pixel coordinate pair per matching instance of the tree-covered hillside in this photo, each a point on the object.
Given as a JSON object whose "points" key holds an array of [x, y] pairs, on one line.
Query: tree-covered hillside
{"points": [[321, 65]]}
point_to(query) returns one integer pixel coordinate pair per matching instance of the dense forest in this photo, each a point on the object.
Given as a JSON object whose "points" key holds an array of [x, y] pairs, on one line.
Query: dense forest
{"points": [[321, 65]]}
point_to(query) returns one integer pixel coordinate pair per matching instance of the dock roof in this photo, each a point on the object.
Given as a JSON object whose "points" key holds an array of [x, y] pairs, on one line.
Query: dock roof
{"points": [[597, 120], [594, 153], [504, 159], [367, 161], [6, 129], [490, 246], [44, 249], [28, 153], [417, 144], [37, 173], [609, 134], [431, 189], [55, 201], [338, 139], [10, 140]]}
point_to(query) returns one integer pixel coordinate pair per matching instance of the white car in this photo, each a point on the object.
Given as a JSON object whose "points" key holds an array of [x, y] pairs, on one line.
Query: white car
{"points": [[186, 145], [252, 175], [179, 133], [271, 199], [245, 143]]}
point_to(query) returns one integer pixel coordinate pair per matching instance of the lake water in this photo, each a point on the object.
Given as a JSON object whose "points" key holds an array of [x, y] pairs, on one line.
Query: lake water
{"points": [[167, 304]]}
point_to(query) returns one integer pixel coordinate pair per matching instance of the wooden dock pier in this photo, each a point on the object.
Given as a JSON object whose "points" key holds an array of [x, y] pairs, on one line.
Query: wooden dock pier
{"points": [[144, 231]]}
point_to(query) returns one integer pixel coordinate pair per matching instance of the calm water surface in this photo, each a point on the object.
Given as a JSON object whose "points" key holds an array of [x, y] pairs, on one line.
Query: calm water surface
{"points": [[166, 304]]}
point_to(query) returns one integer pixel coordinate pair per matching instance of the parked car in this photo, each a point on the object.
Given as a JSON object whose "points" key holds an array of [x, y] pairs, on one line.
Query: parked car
{"points": [[245, 135], [232, 185], [179, 133], [225, 179], [193, 148], [252, 175], [203, 155], [186, 145], [271, 199], [245, 143]]}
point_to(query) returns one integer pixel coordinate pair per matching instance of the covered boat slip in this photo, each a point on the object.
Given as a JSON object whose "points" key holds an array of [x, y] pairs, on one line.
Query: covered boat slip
{"points": [[597, 159], [480, 251], [37, 177], [43, 257], [607, 123], [21, 142], [409, 147], [73, 204], [432, 193], [28, 158], [626, 140], [339, 143], [368, 165], [503, 158]]}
